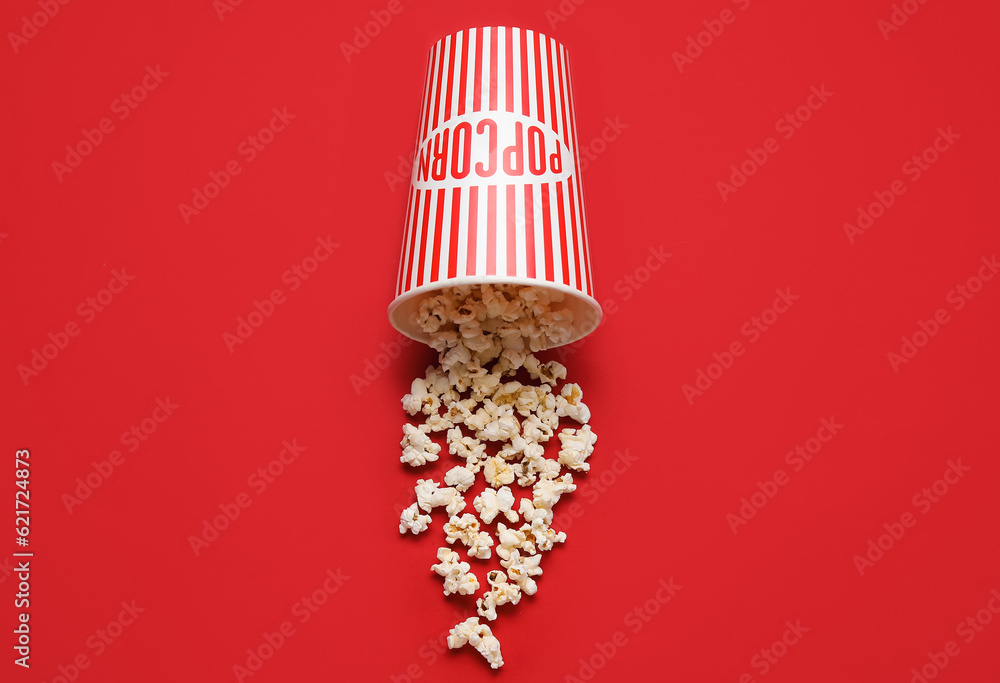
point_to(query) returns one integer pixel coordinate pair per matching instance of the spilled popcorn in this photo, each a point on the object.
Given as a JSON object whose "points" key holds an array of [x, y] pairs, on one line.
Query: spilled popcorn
{"points": [[496, 426]]}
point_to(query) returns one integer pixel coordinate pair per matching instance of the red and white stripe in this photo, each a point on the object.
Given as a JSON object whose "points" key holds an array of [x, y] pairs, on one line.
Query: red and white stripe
{"points": [[529, 230]]}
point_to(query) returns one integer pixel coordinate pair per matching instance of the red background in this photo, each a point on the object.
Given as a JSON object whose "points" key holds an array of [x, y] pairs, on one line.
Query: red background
{"points": [[336, 506]]}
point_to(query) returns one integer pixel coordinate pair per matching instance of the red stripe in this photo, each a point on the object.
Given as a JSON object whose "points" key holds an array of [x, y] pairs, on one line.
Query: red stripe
{"points": [[406, 239], [562, 95], [464, 72], [509, 68], [427, 94], [470, 259], [552, 86], [511, 254], [539, 94], [440, 83], [436, 249], [525, 89], [413, 238], [456, 202], [450, 80], [529, 230], [423, 237], [477, 82], [491, 230], [493, 68], [547, 233], [562, 235], [572, 220]]}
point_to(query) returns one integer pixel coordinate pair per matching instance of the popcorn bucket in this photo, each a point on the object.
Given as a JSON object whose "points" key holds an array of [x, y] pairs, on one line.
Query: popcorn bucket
{"points": [[495, 194]]}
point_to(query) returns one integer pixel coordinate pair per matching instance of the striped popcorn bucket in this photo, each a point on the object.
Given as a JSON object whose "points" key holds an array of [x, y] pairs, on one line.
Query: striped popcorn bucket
{"points": [[495, 194]]}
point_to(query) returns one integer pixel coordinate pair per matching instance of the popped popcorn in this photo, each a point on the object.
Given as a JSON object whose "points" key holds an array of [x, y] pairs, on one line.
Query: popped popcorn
{"points": [[530, 513], [547, 492], [501, 592], [457, 577], [498, 472], [534, 429], [461, 528], [418, 448], [420, 399], [547, 372], [511, 539], [429, 496], [479, 545], [411, 520], [502, 426], [577, 445], [491, 319], [466, 530], [491, 503], [521, 569], [548, 469], [460, 478], [438, 423], [466, 447], [457, 502], [569, 403], [479, 636], [525, 477], [484, 386], [544, 535], [459, 410], [519, 447]]}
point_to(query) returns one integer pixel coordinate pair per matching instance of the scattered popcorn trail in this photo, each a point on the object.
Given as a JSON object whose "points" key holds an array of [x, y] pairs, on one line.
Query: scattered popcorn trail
{"points": [[483, 336]]}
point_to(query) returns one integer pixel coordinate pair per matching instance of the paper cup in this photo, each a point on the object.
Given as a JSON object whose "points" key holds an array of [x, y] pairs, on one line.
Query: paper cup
{"points": [[495, 194]]}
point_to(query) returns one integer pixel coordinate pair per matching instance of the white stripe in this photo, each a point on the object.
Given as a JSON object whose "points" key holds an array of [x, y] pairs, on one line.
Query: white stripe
{"points": [[570, 256], [521, 249], [428, 197], [456, 76], [481, 230], [446, 229], [556, 243], [461, 258], [543, 47], [579, 237], [470, 70], [444, 80], [539, 246], [429, 247], [557, 113], [533, 77], [500, 244], [501, 68], [515, 68], [484, 87]]}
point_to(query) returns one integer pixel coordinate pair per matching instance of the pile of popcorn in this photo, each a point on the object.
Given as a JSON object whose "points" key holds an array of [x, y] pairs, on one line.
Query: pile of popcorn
{"points": [[484, 336]]}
